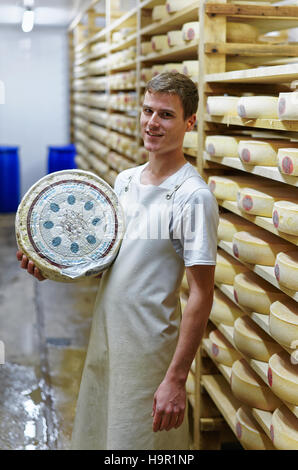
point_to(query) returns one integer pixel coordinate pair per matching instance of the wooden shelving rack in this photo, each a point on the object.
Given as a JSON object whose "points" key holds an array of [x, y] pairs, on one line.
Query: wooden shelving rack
{"points": [[107, 148]]}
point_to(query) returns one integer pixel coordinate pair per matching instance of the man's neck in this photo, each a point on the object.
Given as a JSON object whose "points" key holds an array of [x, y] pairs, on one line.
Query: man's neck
{"points": [[161, 167]]}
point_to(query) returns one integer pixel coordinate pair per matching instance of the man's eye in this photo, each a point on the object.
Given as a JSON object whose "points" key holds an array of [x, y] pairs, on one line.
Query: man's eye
{"points": [[147, 110], [167, 115]]}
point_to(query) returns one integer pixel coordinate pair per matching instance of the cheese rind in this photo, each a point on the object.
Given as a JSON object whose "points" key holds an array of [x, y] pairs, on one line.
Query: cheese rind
{"points": [[249, 432], [222, 105], [223, 309], [226, 188], [259, 247], [175, 38], [229, 224], [254, 202], [252, 341], [250, 389], [283, 322], [283, 377], [191, 69], [190, 31], [176, 5], [159, 42], [287, 106], [286, 269], [288, 161], [253, 292], [222, 350], [284, 429], [256, 107], [159, 12], [190, 139], [222, 145], [285, 217], [253, 152]]}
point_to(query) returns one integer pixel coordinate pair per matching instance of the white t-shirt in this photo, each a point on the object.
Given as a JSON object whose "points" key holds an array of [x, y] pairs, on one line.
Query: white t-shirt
{"points": [[193, 221]]}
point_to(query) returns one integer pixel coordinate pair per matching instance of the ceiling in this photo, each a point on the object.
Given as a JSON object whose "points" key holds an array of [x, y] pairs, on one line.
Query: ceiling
{"points": [[47, 12]]}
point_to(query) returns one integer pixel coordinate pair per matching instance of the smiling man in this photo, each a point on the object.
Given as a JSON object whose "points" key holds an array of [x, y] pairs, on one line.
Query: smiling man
{"points": [[132, 394]]}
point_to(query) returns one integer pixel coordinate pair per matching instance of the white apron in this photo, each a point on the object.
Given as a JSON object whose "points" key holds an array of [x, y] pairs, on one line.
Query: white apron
{"points": [[133, 338]]}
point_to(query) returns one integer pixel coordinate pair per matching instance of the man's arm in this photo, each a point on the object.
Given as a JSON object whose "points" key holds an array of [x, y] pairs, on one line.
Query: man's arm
{"points": [[170, 397]]}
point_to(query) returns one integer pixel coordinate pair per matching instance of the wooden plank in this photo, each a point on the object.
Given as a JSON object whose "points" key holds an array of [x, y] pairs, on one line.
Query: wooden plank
{"points": [[212, 424], [252, 11], [251, 49], [189, 51], [272, 124], [267, 172], [273, 74], [186, 15]]}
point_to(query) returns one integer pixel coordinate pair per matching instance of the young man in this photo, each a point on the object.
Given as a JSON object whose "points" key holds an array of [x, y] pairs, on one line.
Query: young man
{"points": [[140, 350]]}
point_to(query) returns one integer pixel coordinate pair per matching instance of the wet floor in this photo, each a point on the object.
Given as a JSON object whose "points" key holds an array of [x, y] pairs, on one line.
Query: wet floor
{"points": [[44, 331]]}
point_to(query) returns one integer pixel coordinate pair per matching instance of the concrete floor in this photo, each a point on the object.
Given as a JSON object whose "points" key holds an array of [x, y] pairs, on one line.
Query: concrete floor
{"points": [[44, 328]]}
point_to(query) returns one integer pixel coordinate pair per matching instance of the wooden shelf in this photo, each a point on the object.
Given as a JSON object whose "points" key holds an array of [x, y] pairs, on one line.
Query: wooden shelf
{"points": [[189, 51], [190, 13], [272, 124], [273, 74], [271, 50], [266, 171]]}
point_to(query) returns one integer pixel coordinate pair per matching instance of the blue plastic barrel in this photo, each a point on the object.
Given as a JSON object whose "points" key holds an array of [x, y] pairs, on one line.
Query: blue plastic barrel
{"points": [[9, 179], [61, 158]]}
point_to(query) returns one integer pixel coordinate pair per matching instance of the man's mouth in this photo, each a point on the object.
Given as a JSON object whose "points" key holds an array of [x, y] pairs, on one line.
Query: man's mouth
{"points": [[152, 134]]}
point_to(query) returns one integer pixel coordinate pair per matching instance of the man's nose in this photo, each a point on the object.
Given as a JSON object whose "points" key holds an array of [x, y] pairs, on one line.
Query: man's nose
{"points": [[154, 121]]}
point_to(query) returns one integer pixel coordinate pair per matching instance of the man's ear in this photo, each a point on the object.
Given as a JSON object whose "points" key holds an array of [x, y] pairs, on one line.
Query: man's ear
{"points": [[191, 122]]}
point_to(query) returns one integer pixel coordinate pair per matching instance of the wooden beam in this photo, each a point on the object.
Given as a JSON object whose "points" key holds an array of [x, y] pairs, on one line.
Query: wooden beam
{"points": [[252, 11], [250, 49]]}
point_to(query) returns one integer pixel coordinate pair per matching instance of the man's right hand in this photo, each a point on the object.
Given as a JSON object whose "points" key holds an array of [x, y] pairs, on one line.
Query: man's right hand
{"points": [[29, 266]]}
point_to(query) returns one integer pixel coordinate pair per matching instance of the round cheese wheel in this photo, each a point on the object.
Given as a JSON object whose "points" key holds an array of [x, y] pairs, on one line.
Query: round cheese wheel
{"points": [[249, 433], [252, 341], [253, 292], [255, 107], [284, 429], [287, 106], [222, 145], [229, 224], [285, 217], [261, 203], [250, 389], [175, 38], [159, 42], [221, 105], [156, 69], [227, 267], [288, 161], [223, 309], [259, 247], [191, 69], [70, 224], [159, 12], [283, 377], [241, 32], [226, 188], [222, 350], [255, 152], [283, 322], [173, 67], [286, 269], [190, 31]]}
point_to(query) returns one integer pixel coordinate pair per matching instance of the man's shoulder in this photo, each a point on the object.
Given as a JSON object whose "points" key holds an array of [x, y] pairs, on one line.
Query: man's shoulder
{"points": [[194, 185]]}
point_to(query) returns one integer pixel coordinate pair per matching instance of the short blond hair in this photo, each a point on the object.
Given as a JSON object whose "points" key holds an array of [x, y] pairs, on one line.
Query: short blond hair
{"points": [[177, 84]]}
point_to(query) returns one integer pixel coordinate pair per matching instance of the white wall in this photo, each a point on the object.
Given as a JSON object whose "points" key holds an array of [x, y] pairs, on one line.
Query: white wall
{"points": [[34, 70]]}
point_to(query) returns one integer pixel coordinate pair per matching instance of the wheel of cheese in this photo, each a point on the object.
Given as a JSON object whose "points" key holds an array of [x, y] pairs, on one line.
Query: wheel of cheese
{"points": [[70, 224], [227, 267], [222, 350], [284, 429], [286, 269], [156, 69], [288, 161], [241, 32], [229, 224], [256, 152], [191, 69], [283, 377], [287, 106], [175, 38], [222, 145], [173, 67], [146, 48], [285, 217], [223, 309], [190, 384], [221, 105], [190, 31], [82, 163], [190, 139], [261, 203], [252, 341], [255, 107], [250, 389], [176, 5], [226, 188], [258, 247], [254, 293], [159, 12], [146, 74], [249, 433], [159, 42], [283, 322]]}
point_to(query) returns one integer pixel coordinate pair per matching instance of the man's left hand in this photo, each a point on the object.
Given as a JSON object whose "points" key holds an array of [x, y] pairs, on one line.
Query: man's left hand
{"points": [[168, 406]]}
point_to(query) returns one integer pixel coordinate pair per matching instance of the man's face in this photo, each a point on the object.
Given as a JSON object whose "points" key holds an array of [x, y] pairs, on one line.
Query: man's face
{"points": [[162, 123]]}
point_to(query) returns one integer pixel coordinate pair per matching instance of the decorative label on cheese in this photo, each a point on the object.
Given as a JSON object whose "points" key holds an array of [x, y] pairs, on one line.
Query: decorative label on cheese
{"points": [[286, 269], [190, 31], [287, 106], [70, 224], [257, 107], [222, 349], [288, 161]]}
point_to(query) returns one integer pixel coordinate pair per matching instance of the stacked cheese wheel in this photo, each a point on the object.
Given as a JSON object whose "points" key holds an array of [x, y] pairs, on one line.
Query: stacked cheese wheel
{"points": [[223, 309], [227, 267], [222, 350], [70, 224], [248, 431]]}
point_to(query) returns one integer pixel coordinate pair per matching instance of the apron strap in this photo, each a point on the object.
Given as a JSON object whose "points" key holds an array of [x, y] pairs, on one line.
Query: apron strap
{"points": [[169, 195]]}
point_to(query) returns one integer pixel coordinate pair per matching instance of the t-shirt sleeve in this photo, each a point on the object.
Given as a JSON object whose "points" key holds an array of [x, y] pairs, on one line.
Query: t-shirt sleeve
{"points": [[195, 229]]}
